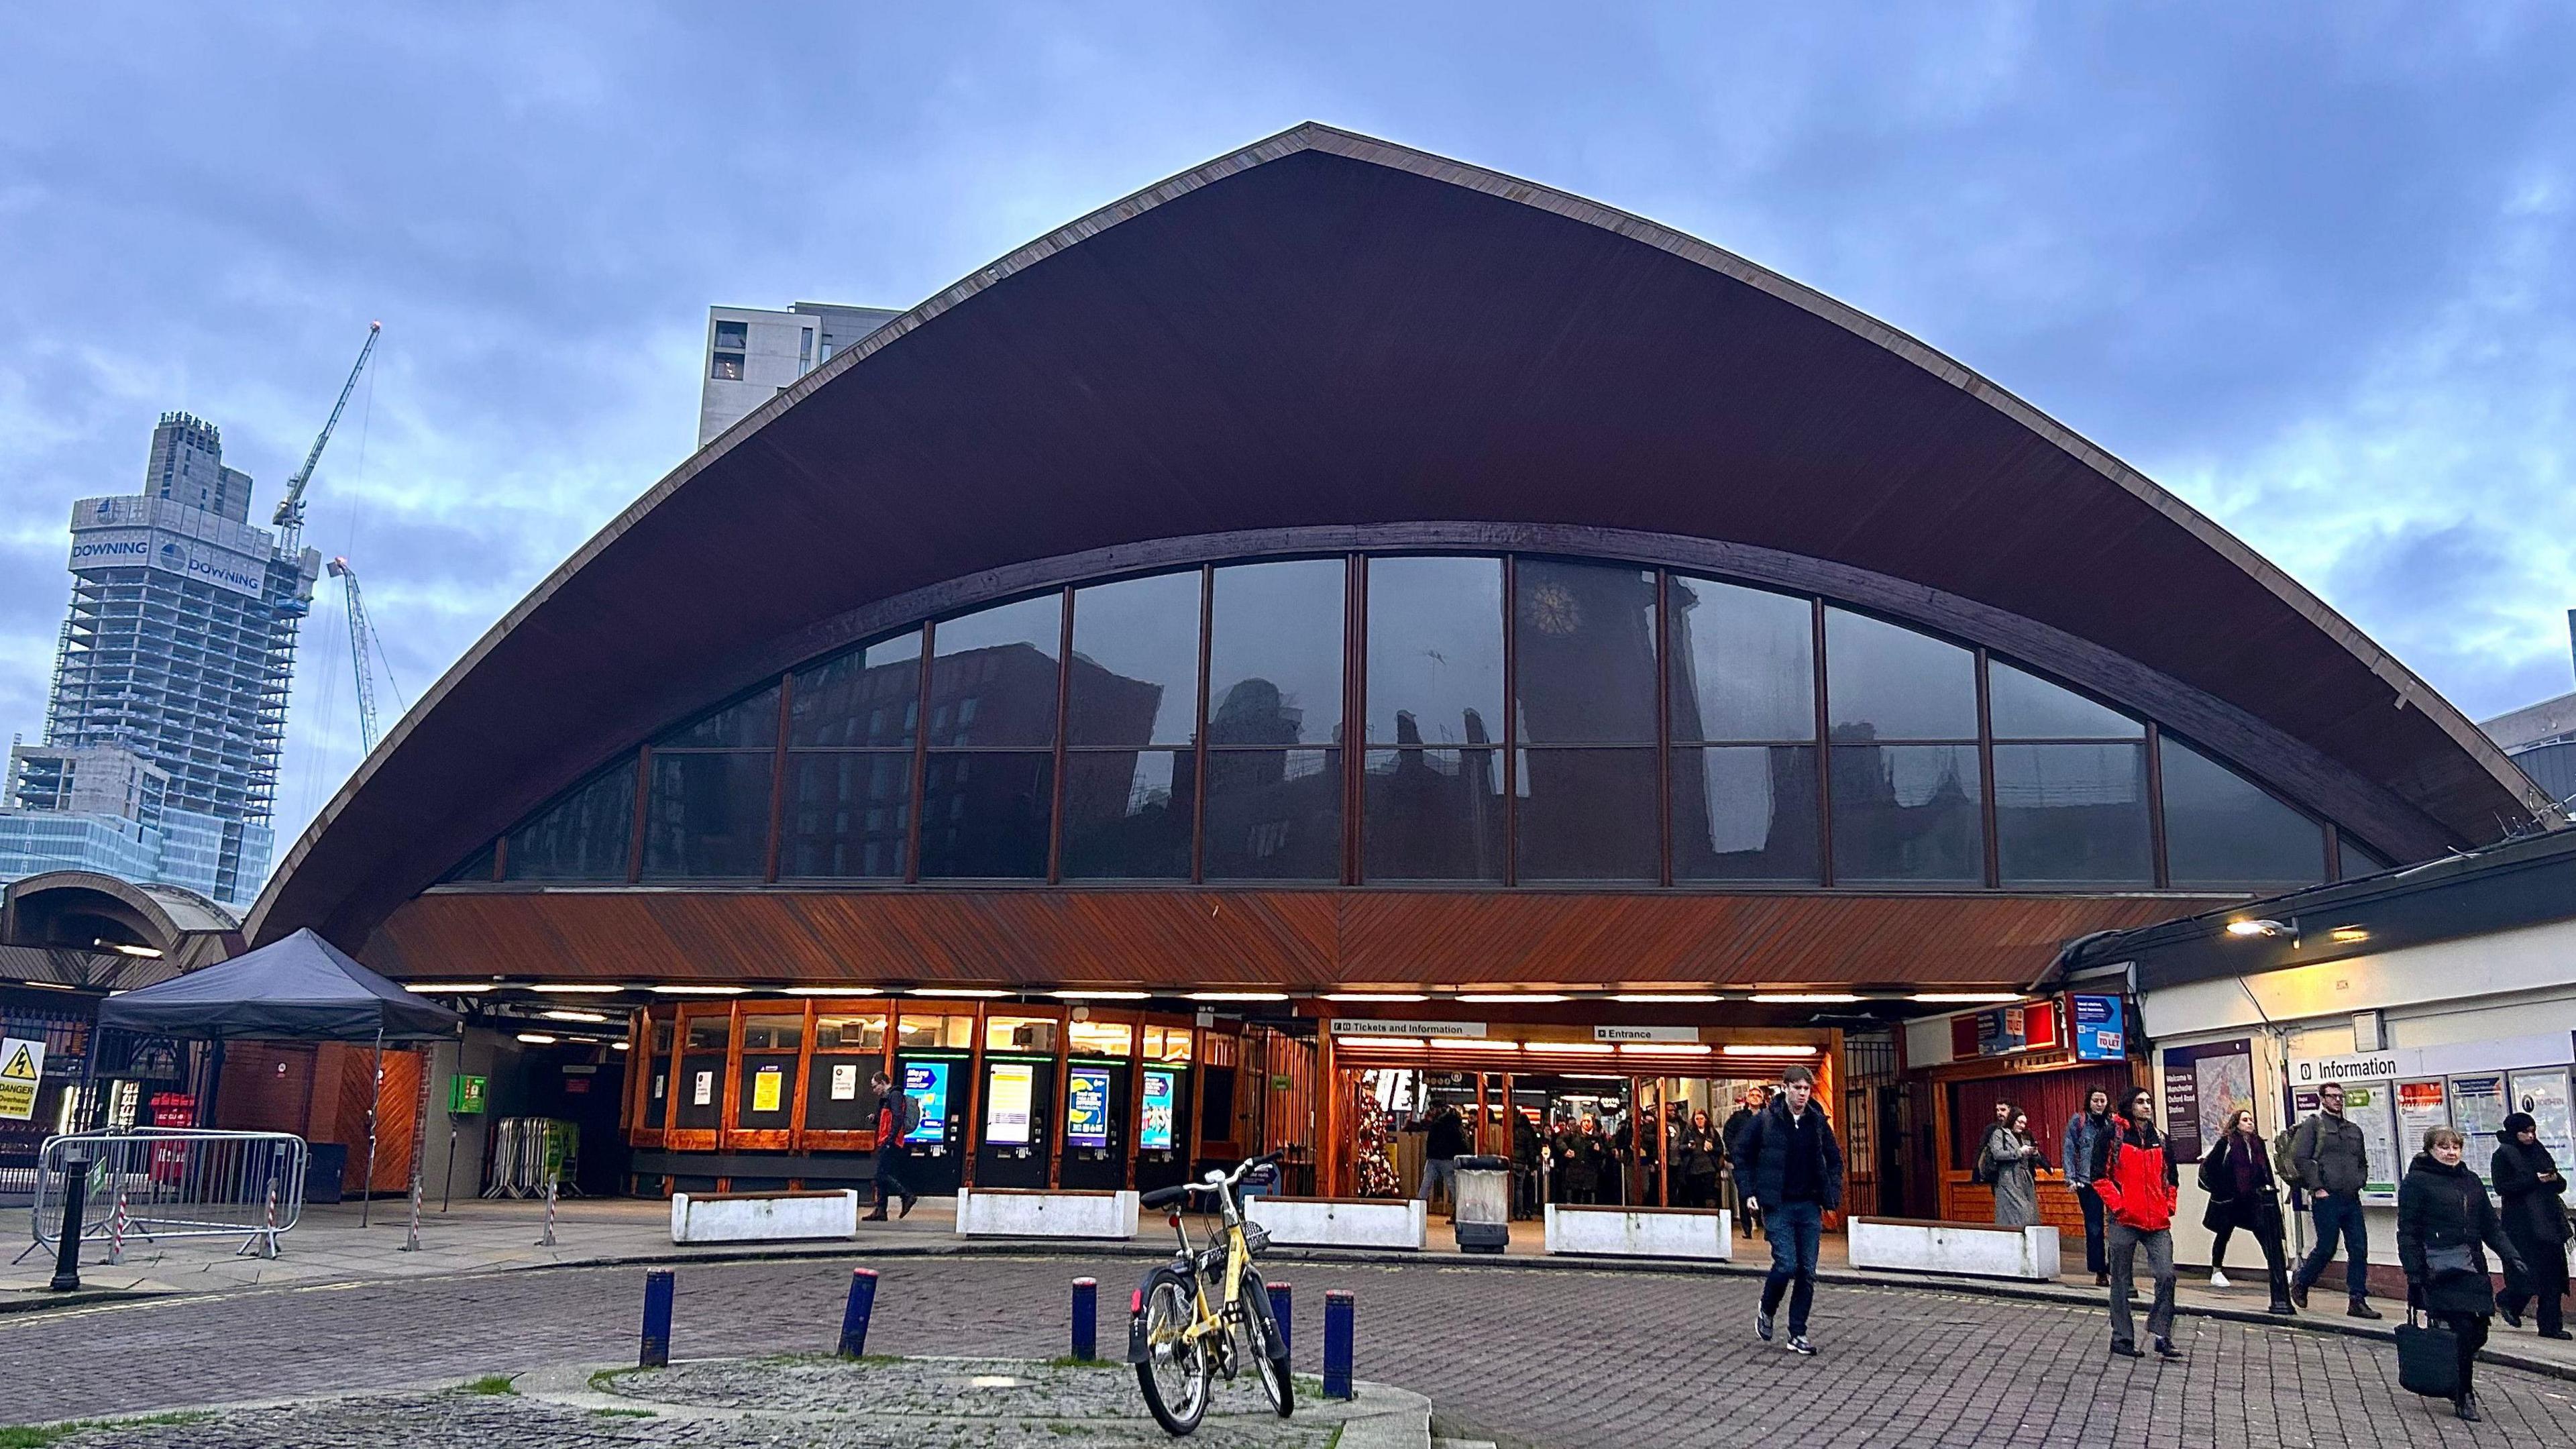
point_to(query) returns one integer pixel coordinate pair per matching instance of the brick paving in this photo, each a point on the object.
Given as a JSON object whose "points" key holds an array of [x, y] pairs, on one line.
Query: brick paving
{"points": [[1558, 1358]]}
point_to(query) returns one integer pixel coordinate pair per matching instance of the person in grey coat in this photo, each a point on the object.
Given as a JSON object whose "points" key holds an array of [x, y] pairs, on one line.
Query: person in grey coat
{"points": [[2013, 1161], [2333, 1159]]}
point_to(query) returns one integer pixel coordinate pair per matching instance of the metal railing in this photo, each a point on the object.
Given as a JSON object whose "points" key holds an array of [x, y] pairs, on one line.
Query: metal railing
{"points": [[154, 1183]]}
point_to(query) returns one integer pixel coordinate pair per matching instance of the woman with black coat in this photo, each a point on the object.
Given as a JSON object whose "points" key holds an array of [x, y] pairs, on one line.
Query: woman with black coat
{"points": [[2236, 1172], [1695, 1159], [2535, 1222], [2445, 1223]]}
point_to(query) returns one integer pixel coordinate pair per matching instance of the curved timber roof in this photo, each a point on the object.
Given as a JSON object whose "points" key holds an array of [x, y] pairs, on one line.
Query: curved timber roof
{"points": [[1323, 330]]}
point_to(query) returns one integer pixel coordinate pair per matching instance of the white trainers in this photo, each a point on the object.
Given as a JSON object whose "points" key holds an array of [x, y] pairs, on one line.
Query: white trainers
{"points": [[2218, 1279]]}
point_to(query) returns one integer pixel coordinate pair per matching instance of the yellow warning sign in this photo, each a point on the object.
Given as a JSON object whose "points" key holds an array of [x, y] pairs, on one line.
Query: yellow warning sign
{"points": [[22, 1070]]}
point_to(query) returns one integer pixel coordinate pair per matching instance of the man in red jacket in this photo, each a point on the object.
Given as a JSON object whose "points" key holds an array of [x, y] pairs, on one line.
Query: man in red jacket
{"points": [[2137, 1188]]}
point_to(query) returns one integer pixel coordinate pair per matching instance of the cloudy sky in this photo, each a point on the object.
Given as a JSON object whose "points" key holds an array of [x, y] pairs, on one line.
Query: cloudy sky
{"points": [[2311, 266]]}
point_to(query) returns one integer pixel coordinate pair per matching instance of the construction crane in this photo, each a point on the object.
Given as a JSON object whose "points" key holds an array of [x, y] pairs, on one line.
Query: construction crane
{"points": [[289, 518], [362, 648]]}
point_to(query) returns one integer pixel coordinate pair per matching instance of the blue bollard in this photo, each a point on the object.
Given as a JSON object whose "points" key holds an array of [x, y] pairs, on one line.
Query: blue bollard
{"points": [[1086, 1319], [1339, 1309], [854, 1316], [1280, 1303], [657, 1320]]}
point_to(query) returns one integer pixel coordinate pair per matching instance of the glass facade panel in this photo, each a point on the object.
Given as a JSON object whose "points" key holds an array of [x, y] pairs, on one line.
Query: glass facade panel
{"points": [[1101, 1038], [1274, 815], [2073, 815], [1135, 674], [993, 678], [1907, 815], [1588, 815], [1435, 651], [2224, 832], [1746, 813], [2026, 707], [584, 835], [1884, 682], [864, 1032], [1275, 654], [1029, 1035], [920, 1030], [984, 815], [2360, 860], [477, 866], [1744, 663], [848, 816], [1127, 814], [779, 1032], [1433, 815], [746, 724], [708, 817], [868, 696], [1585, 652], [709, 1033]]}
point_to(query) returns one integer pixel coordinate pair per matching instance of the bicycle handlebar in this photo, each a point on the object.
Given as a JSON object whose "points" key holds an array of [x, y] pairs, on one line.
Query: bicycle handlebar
{"points": [[1164, 1196]]}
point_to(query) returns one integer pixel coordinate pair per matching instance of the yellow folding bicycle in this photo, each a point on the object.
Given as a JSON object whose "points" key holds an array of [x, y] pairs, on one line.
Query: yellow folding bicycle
{"points": [[1206, 1311]]}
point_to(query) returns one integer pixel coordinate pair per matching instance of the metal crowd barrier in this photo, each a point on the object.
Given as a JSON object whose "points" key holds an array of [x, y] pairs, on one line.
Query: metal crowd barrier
{"points": [[152, 1183]]}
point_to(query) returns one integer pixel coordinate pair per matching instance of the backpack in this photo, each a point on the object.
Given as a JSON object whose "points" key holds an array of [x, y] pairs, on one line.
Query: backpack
{"points": [[1983, 1174], [2285, 1156], [907, 1116]]}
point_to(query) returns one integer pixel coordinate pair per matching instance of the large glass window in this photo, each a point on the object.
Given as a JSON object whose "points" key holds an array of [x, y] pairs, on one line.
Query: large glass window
{"points": [[1886, 682], [750, 723], [2072, 814], [1127, 814], [1274, 815], [1744, 663], [984, 814], [1907, 815], [993, 675], [1275, 654], [586, 834], [1435, 651], [870, 696], [2222, 831], [1746, 813], [708, 815], [1588, 814], [2026, 707], [848, 815], [1433, 815], [1135, 677], [1585, 652]]}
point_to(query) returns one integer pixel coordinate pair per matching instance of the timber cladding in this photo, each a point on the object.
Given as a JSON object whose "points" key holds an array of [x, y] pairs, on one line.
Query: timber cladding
{"points": [[1305, 939]]}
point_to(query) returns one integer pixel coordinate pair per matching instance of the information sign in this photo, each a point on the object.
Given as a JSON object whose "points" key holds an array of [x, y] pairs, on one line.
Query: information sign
{"points": [[1008, 1087], [2101, 1033]]}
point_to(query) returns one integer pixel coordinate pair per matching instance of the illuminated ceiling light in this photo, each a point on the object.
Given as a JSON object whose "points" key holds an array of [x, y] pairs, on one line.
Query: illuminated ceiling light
{"points": [[1495, 998], [1962, 998], [1238, 996], [2346, 935], [698, 990], [1657, 998], [1474, 1044], [1375, 996], [832, 991], [1100, 995], [49, 986], [1803, 998], [575, 988], [2258, 928], [1663, 1049], [970, 993], [123, 949], [447, 988], [1411, 1042], [538, 1038], [572, 1016], [1755, 1049], [617, 1046], [1579, 1048]]}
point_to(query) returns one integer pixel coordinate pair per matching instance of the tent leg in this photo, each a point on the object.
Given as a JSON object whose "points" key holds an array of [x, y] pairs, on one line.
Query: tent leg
{"points": [[375, 1098], [419, 1143]]}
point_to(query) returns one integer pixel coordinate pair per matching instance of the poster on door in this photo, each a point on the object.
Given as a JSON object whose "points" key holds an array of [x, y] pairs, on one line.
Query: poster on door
{"points": [[2478, 1110], [1154, 1133], [845, 1081], [768, 1087], [1086, 1108], [1008, 1086], [2544, 1094]]}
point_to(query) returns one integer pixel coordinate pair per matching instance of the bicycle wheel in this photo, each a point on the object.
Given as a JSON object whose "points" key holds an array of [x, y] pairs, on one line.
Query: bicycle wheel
{"points": [[1269, 1348], [1175, 1374]]}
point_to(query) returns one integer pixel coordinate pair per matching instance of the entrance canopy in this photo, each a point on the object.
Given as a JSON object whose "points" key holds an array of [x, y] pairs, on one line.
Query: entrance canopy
{"points": [[302, 988]]}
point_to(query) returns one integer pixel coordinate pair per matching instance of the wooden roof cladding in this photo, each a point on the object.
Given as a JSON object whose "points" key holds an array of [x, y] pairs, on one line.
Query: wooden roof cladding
{"points": [[1324, 330], [1219, 939]]}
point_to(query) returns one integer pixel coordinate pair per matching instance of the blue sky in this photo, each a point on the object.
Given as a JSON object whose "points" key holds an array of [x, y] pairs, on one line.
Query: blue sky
{"points": [[2311, 266]]}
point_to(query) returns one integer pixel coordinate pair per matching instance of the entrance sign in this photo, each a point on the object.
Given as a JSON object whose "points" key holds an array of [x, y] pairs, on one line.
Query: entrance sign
{"points": [[2101, 1033], [1370, 1026], [1154, 1133], [1645, 1033], [22, 1071], [766, 1085], [1007, 1089], [927, 1083], [1086, 1108]]}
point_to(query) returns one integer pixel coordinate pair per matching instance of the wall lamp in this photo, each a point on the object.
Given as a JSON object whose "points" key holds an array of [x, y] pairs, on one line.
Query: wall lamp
{"points": [[2265, 928]]}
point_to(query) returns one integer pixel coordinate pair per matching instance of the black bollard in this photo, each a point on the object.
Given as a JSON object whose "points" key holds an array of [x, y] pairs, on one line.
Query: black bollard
{"points": [[67, 1250], [1281, 1304], [656, 1349], [1086, 1319], [855, 1312], [1339, 1309]]}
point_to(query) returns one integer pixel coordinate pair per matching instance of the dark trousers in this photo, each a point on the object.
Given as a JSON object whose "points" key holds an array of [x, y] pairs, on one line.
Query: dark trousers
{"points": [[2471, 1329], [2339, 1217], [2096, 1259], [2263, 1234], [889, 1186], [1700, 1192], [1797, 1234], [2546, 1291]]}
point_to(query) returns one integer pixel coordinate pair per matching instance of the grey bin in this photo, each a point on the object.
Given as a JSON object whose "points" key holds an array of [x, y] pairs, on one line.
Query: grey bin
{"points": [[1483, 1220]]}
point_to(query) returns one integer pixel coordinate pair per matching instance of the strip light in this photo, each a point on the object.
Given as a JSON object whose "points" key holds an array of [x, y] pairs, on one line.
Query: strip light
{"points": [[570, 988], [1375, 996], [971, 993], [698, 990], [1658, 998], [1578, 1048], [1501, 998], [1664, 1049], [1391, 1042], [1474, 1044], [1802, 998], [1744, 1049], [448, 988], [1099, 995], [572, 1016], [1962, 998], [851, 990], [538, 1038], [1238, 996]]}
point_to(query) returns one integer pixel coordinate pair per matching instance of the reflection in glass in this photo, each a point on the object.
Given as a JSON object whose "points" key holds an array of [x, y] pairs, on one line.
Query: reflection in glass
{"points": [[1884, 682], [708, 816], [2072, 815], [1275, 654], [1274, 815], [868, 696], [993, 677], [1432, 815], [2223, 831], [984, 815], [1746, 813], [1027, 1035], [1907, 815], [2360, 860], [745, 724], [1744, 663], [1127, 814], [1586, 653], [1588, 815], [2026, 707], [1135, 662], [1435, 650], [848, 815], [584, 835]]}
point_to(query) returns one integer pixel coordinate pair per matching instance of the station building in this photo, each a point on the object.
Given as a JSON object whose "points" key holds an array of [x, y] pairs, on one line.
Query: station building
{"points": [[1340, 627]]}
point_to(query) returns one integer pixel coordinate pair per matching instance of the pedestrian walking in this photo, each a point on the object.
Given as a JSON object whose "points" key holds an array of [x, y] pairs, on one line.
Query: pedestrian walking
{"points": [[2010, 1161], [1748, 1214], [1789, 1166], [1696, 1155], [2333, 1159], [2236, 1172], [2445, 1224], [1444, 1142], [898, 1117], [2138, 1188], [1580, 1157], [2534, 1210], [2079, 1152]]}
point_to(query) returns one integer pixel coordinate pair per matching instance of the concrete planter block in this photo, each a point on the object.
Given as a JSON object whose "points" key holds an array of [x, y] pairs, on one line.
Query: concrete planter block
{"points": [[1707, 1234], [1972, 1250], [1016, 1213], [1343, 1222], [762, 1217]]}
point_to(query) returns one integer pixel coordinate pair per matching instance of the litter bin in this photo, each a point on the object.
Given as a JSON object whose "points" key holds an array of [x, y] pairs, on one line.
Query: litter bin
{"points": [[1483, 1220]]}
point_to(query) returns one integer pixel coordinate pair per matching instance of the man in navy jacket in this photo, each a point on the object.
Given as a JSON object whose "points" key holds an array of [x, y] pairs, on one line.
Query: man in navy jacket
{"points": [[1789, 1164]]}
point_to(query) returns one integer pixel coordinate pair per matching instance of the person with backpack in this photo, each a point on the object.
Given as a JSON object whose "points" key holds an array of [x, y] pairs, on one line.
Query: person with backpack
{"points": [[2445, 1223], [2080, 1148], [2139, 1187], [2333, 1159], [1789, 1165], [898, 1117], [2236, 1172]]}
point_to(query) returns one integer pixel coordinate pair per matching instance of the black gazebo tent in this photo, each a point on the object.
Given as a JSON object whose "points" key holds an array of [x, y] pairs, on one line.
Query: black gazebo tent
{"points": [[301, 988]]}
